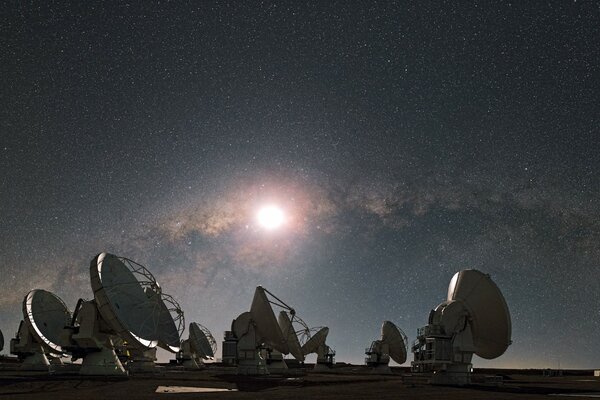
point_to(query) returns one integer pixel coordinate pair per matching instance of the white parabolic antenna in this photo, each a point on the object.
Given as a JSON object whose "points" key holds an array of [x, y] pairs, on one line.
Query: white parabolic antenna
{"points": [[241, 325], [203, 343], [473, 320], [487, 308], [171, 322], [287, 328], [136, 314], [46, 316], [316, 340], [266, 324], [392, 345], [396, 340], [259, 338]]}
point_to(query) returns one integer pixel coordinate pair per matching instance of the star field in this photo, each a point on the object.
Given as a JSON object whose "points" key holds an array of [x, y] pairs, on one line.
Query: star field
{"points": [[405, 142]]}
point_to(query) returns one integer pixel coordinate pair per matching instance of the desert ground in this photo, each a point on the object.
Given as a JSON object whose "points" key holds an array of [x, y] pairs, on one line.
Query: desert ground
{"points": [[342, 382]]}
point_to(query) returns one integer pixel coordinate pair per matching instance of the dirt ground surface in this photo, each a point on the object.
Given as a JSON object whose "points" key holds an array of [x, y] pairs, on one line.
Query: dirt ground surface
{"points": [[342, 383]]}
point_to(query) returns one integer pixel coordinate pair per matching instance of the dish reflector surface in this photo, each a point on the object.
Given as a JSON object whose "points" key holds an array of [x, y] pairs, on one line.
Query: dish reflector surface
{"points": [[289, 332], [168, 335], [200, 341], [315, 341], [265, 322], [490, 318], [47, 315], [123, 303], [396, 341], [239, 326]]}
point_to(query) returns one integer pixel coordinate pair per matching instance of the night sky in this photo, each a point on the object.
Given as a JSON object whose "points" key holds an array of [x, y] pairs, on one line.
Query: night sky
{"points": [[403, 142]]}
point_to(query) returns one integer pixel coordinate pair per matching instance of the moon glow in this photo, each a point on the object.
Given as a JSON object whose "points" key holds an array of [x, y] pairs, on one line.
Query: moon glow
{"points": [[270, 217]]}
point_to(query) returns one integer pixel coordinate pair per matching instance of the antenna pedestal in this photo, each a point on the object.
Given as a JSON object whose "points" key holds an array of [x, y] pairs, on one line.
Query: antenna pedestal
{"points": [[102, 362], [275, 362], [95, 347], [142, 361], [250, 361], [325, 358], [187, 358], [447, 357], [455, 374], [378, 358], [27, 349], [229, 348]]}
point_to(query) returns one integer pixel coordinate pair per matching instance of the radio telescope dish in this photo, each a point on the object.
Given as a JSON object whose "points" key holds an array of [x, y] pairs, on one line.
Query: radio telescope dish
{"points": [[396, 340], [392, 345], [123, 302], [316, 344], [257, 338], [171, 322], [267, 326], [315, 341], [289, 333], [44, 318], [202, 341], [240, 326], [490, 318], [199, 345], [473, 320], [47, 315], [128, 308]]}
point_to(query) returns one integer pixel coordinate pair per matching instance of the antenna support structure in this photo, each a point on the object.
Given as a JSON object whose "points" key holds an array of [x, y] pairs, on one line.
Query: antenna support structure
{"points": [[127, 319], [200, 345], [392, 345], [257, 342], [36, 342], [473, 320]]}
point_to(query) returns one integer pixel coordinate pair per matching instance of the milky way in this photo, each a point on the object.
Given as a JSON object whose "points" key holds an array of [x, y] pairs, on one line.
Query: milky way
{"points": [[404, 142]]}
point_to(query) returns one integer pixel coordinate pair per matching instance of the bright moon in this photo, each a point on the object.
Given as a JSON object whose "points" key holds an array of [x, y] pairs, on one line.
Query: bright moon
{"points": [[270, 217]]}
